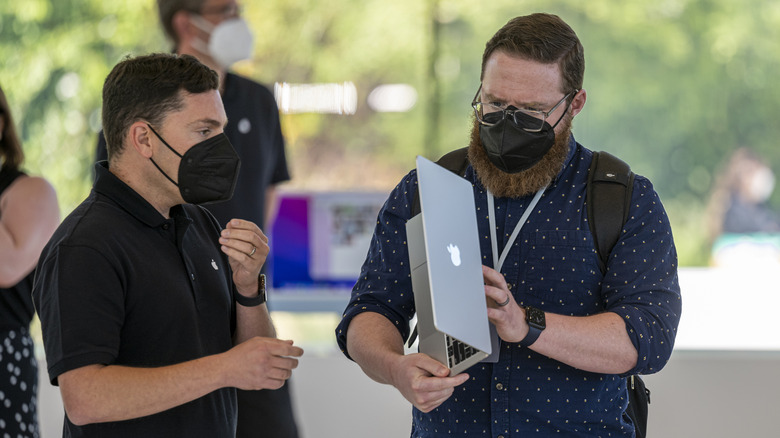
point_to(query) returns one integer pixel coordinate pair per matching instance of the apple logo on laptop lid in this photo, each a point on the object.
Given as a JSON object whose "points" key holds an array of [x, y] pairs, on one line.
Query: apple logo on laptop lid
{"points": [[454, 254]]}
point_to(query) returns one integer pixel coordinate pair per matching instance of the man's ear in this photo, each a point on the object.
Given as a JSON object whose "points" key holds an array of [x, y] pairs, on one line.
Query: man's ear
{"points": [[578, 102], [139, 138]]}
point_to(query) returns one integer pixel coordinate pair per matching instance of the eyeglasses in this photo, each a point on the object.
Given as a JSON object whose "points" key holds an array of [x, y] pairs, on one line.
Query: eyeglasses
{"points": [[490, 114]]}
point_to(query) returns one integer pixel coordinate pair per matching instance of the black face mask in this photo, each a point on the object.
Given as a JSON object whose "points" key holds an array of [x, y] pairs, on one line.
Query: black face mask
{"points": [[511, 148], [207, 171]]}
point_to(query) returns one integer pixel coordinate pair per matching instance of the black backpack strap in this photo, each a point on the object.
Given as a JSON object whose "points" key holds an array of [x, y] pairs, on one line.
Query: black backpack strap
{"points": [[456, 161], [638, 405], [608, 197]]}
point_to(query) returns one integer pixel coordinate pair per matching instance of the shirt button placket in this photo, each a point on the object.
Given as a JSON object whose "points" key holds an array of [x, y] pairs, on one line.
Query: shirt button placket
{"points": [[499, 397]]}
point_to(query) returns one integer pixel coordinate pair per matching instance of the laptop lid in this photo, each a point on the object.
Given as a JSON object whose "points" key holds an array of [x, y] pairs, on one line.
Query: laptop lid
{"points": [[449, 222]]}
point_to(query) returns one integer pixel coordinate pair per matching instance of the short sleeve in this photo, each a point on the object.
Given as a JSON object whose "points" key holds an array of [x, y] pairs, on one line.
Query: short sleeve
{"points": [[81, 324], [280, 172]]}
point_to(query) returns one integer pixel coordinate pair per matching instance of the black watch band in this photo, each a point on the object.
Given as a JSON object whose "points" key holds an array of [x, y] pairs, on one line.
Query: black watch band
{"points": [[536, 323], [254, 301]]}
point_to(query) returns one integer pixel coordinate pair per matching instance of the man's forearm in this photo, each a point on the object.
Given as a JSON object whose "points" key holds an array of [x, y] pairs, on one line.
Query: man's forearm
{"points": [[597, 343], [372, 342], [253, 321], [98, 393]]}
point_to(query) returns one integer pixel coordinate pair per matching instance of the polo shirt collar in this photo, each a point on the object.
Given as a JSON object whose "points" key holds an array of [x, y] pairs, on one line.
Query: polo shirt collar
{"points": [[107, 184]]}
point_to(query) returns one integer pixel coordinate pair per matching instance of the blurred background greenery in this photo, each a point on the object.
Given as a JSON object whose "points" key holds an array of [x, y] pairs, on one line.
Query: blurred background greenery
{"points": [[673, 85]]}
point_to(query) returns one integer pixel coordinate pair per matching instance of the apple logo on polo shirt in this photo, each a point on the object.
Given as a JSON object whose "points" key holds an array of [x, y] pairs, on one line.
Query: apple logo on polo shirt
{"points": [[454, 254]]}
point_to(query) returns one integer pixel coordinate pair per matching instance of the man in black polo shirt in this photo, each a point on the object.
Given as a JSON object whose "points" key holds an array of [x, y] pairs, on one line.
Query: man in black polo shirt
{"points": [[150, 315], [255, 132]]}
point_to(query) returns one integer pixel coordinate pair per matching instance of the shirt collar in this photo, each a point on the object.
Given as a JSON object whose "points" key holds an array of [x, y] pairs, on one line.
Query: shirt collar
{"points": [[107, 184], [569, 157]]}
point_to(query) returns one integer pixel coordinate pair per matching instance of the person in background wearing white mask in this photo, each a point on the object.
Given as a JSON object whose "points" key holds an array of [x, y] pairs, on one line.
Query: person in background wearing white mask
{"points": [[214, 32], [743, 229]]}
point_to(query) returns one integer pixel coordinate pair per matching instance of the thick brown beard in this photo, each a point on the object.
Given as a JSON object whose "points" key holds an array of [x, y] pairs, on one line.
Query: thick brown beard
{"points": [[516, 185]]}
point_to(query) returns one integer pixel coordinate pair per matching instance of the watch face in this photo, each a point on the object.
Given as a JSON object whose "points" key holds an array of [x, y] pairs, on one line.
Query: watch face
{"points": [[534, 317]]}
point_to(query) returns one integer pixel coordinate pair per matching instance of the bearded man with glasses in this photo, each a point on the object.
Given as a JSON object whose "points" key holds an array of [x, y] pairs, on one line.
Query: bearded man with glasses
{"points": [[570, 334]]}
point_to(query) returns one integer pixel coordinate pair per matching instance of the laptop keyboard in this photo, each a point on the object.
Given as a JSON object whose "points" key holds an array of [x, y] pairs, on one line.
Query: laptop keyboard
{"points": [[458, 351]]}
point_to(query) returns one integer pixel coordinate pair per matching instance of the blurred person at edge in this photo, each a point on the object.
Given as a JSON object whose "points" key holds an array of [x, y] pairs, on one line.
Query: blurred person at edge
{"points": [[743, 229], [214, 32], [567, 375], [151, 312], [29, 214]]}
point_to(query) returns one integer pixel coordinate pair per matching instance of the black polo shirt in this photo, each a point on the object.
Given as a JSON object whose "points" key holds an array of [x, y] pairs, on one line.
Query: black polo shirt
{"points": [[118, 284], [255, 132]]}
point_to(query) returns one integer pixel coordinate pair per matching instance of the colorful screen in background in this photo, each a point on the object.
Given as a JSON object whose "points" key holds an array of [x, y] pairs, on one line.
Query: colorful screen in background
{"points": [[319, 240]]}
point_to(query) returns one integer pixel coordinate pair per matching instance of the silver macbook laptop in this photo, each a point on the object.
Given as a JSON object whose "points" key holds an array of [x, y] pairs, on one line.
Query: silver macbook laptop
{"points": [[444, 258]]}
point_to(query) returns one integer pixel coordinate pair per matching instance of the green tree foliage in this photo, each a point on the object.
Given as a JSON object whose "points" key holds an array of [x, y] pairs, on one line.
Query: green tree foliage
{"points": [[673, 85], [55, 56]]}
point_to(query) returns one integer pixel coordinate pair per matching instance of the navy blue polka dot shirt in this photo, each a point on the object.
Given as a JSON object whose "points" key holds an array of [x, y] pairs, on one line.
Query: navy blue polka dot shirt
{"points": [[553, 266]]}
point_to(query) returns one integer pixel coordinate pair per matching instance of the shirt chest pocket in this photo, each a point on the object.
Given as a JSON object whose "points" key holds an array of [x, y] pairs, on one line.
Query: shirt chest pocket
{"points": [[556, 268]]}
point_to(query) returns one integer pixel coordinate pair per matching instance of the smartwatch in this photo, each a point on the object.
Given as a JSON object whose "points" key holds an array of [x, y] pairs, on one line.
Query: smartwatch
{"points": [[536, 323], [254, 301]]}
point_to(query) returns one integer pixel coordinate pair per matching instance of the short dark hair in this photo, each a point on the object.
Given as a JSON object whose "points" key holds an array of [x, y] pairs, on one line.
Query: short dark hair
{"points": [[10, 145], [148, 88], [168, 8], [542, 38]]}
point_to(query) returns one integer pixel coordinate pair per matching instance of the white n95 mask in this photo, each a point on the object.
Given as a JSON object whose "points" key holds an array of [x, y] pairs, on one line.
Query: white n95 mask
{"points": [[230, 41]]}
